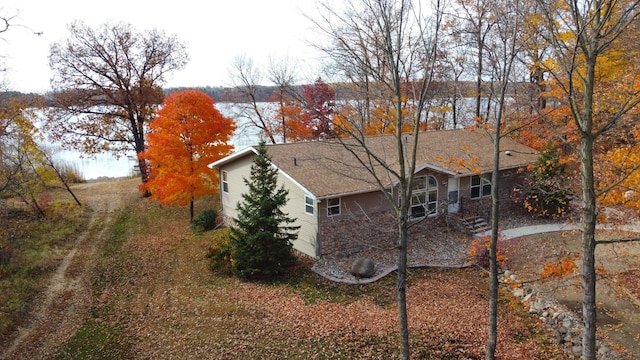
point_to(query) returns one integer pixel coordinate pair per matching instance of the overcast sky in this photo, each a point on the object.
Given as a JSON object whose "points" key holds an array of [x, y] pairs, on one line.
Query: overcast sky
{"points": [[215, 33]]}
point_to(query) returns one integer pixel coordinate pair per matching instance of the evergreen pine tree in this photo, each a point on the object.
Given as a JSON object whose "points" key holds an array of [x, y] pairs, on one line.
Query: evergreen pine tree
{"points": [[261, 237]]}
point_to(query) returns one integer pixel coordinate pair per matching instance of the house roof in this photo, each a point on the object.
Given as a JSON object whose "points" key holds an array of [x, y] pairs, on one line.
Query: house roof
{"points": [[330, 168]]}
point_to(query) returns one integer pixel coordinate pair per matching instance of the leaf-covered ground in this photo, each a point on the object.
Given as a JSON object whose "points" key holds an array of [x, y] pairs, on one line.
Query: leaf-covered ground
{"points": [[157, 290], [153, 297], [618, 286]]}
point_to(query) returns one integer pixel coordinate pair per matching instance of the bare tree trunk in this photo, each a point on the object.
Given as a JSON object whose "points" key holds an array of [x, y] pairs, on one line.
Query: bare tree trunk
{"points": [[144, 172], [402, 288], [492, 339], [479, 82], [589, 310], [589, 209]]}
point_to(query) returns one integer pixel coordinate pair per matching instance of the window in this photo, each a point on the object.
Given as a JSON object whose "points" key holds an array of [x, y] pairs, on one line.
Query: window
{"points": [[225, 184], [308, 205], [333, 206], [424, 199], [480, 186]]}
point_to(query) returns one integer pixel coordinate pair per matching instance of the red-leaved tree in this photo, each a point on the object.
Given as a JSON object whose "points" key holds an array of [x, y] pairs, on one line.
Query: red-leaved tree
{"points": [[188, 134], [319, 102]]}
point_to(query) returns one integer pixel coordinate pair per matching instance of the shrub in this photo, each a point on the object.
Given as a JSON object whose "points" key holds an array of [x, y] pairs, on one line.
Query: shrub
{"points": [[206, 220], [545, 192], [479, 253], [220, 253]]}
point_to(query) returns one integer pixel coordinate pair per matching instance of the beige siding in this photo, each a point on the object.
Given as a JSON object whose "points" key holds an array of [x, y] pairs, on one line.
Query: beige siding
{"points": [[375, 202], [295, 208], [355, 205], [236, 172]]}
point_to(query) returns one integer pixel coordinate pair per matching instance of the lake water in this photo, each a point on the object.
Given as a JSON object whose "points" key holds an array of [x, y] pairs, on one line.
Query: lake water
{"points": [[107, 165]]}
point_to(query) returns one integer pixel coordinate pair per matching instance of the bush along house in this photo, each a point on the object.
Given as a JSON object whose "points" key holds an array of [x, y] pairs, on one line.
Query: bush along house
{"points": [[341, 210]]}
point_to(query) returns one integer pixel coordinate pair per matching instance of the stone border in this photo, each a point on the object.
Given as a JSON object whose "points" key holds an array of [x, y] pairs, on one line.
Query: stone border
{"points": [[386, 272], [564, 325]]}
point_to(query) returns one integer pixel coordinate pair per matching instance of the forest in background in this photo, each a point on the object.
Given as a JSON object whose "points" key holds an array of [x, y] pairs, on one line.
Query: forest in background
{"points": [[264, 93]]}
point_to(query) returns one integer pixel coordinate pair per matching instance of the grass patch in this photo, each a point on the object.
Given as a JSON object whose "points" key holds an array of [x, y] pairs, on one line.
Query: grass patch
{"points": [[118, 234], [96, 341], [31, 248]]}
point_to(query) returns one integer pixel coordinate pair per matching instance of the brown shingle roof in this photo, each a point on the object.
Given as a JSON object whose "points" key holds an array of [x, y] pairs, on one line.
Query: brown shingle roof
{"points": [[327, 168]]}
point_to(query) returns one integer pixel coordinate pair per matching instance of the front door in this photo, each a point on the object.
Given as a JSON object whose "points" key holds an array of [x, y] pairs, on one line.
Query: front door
{"points": [[453, 197]]}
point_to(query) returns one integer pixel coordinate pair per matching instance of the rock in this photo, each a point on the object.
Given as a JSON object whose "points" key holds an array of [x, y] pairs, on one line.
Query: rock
{"points": [[362, 268], [604, 352], [528, 297], [518, 293], [538, 306]]}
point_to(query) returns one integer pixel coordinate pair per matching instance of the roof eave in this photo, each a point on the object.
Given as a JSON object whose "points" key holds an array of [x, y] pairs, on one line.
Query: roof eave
{"points": [[232, 157]]}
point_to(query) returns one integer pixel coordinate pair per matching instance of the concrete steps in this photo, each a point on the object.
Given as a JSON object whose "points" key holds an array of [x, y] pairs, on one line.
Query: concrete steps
{"points": [[476, 225]]}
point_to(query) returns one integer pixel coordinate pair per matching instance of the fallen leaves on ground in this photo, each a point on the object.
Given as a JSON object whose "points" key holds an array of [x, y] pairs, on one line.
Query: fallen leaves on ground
{"points": [[631, 281], [174, 307]]}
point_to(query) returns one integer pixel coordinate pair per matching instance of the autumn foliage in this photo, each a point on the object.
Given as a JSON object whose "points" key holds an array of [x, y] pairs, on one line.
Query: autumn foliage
{"points": [[307, 115], [188, 134], [563, 266]]}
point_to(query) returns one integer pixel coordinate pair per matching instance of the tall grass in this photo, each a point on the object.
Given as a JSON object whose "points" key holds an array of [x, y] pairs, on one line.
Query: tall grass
{"points": [[30, 248], [70, 171]]}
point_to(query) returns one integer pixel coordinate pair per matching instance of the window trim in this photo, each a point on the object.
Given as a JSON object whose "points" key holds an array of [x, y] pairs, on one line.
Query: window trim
{"points": [[225, 181], [309, 204], [484, 182], [430, 208], [337, 206]]}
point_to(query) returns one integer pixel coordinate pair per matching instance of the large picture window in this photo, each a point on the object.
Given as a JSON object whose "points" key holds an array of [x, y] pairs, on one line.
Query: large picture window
{"points": [[424, 198], [333, 206], [480, 186]]}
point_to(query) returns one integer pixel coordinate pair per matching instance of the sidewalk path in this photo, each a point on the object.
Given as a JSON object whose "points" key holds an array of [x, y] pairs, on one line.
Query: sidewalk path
{"points": [[538, 229]]}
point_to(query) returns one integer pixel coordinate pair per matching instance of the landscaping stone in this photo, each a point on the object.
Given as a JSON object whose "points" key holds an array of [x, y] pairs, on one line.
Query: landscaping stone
{"points": [[362, 268], [564, 327]]}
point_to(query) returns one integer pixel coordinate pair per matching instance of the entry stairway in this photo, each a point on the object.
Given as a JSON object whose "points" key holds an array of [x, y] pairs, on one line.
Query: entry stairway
{"points": [[476, 225]]}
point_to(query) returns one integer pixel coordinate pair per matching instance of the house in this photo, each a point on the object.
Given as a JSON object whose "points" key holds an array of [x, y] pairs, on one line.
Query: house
{"points": [[340, 208]]}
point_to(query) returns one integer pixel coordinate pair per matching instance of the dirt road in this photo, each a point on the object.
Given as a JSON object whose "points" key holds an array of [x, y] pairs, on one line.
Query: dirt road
{"points": [[65, 303]]}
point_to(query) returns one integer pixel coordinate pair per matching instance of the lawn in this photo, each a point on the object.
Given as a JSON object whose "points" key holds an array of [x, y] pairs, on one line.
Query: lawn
{"points": [[151, 295], [160, 300]]}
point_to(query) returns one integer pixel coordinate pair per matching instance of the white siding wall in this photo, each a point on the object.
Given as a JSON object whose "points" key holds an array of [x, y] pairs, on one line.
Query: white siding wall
{"points": [[295, 208], [308, 233], [236, 172]]}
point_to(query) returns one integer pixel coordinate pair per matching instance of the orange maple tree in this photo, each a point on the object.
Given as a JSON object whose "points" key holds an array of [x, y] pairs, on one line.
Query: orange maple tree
{"points": [[188, 134]]}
